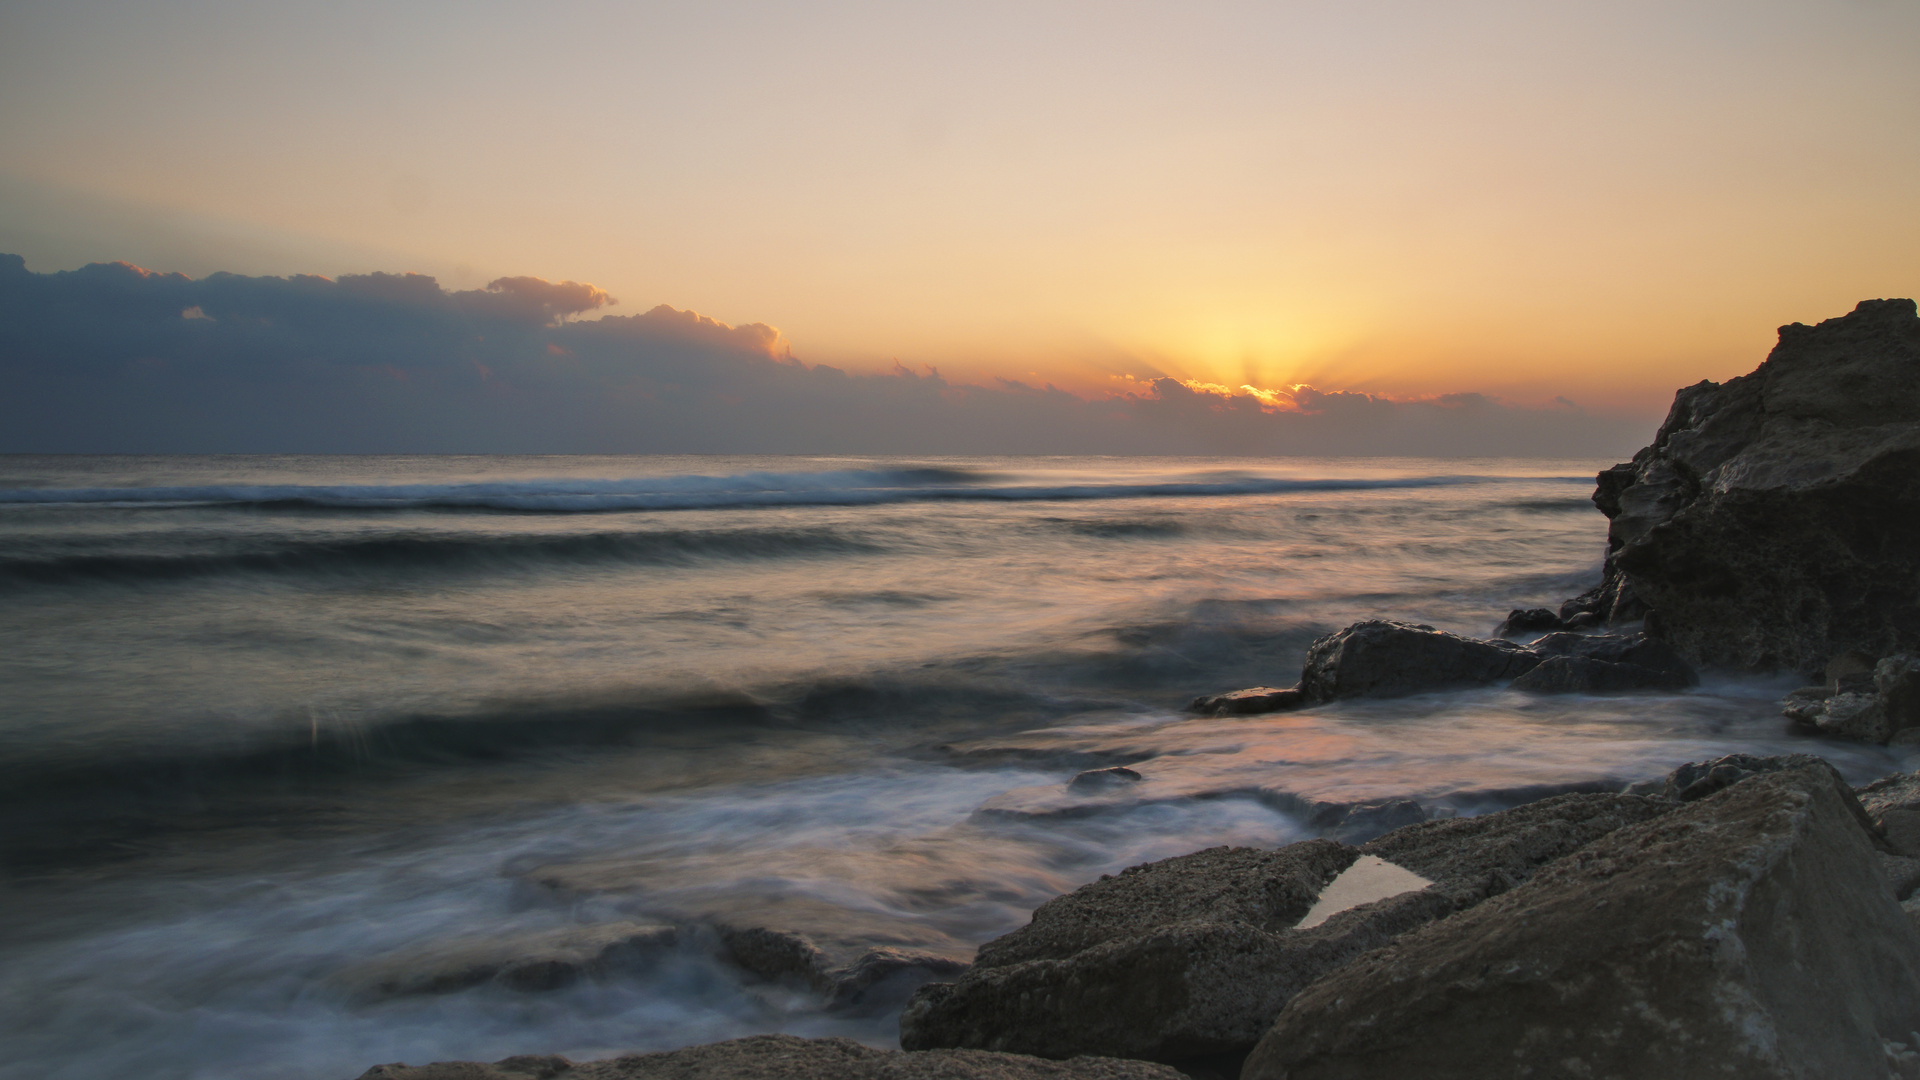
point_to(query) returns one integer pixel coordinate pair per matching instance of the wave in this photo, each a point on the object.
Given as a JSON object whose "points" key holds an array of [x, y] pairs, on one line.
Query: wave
{"points": [[414, 552], [849, 487]]}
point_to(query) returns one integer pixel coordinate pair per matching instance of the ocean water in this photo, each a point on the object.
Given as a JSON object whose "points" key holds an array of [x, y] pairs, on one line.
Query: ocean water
{"points": [[272, 729]]}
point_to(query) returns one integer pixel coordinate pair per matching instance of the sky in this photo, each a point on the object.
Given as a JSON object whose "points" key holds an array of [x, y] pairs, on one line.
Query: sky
{"points": [[1563, 206]]}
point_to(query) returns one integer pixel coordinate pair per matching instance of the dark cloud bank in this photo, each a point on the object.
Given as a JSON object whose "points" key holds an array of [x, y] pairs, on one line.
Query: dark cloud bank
{"points": [[110, 358]]}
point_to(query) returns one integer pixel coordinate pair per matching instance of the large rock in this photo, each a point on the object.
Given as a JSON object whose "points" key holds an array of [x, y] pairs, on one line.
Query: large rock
{"points": [[1599, 663], [1747, 934], [1770, 523], [1382, 659], [1190, 958], [1879, 706], [1893, 804], [1385, 659], [784, 1057]]}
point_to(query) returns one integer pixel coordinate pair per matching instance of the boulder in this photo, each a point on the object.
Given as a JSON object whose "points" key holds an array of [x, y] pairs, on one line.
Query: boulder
{"points": [[785, 1057], [1601, 663], [874, 982], [1750, 933], [1117, 776], [1769, 524], [535, 962], [1892, 803], [1190, 958], [1384, 659], [1521, 621], [1881, 705], [1258, 699]]}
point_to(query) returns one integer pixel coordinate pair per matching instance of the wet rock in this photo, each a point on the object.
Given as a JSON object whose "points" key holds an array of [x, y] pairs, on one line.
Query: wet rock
{"points": [[528, 963], [1520, 622], [1881, 705], [1361, 823], [1385, 659], [1750, 933], [1258, 699], [1902, 873], [1770, 522], [883, 979], [1699, 779], [1892, 803], [1603, 663], [785, 1057], [1190, 958], [1104, 779], [775, 954]]}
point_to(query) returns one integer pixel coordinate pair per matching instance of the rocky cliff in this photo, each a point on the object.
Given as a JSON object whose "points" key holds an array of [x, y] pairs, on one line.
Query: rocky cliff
{"points": [[1775, 520]]}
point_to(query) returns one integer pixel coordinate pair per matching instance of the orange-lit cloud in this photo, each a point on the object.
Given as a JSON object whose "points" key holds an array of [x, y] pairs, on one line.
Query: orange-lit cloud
{"points": [[105, 358]]}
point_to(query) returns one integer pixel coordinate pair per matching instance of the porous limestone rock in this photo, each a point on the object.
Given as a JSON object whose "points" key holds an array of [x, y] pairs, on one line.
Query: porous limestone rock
{"points": [[1750, 933], [1770, 523], [1190, 958], [785, 1057]]}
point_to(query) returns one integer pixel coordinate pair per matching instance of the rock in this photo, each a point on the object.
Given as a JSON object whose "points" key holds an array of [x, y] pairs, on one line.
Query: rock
{"points": [[1529, 621], [1259, 699], [786, 1057], [1749, 933], [1892, 803], [1770, 522], [1584, 663], [1190, 958], [1103, 779], [1902, 873], [1384, 659], [883, 979], [530, 963], [775, 955], [1359, 824], [1881, 705]]}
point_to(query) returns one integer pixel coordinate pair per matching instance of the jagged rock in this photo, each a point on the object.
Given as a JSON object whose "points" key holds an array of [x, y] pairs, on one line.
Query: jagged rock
{"points": [[1529, 621], [1385, 659], [530, 963], [1877, 706], [1258, 699], [875, 981], [1586, 663], [1748, 934], [1770, 522], [785, 1057], [1902, 872], [1382, 659], [883, 979], [1191, 957], [775, 954], [1893, 805]]}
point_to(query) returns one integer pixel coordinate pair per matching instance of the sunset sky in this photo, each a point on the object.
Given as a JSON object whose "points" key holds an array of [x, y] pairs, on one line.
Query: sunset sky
{"points": [[1595, 201]]}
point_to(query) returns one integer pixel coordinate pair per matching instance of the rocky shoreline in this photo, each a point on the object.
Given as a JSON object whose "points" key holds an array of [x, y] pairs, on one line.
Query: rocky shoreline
{"points": [[1743, 916]]}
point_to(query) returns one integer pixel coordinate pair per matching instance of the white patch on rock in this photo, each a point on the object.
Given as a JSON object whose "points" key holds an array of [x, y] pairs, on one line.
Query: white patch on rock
{"points": [[1370, 878]]}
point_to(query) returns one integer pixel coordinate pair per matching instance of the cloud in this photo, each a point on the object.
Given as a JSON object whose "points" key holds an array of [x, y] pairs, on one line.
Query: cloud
{"points": [[113, 358]]}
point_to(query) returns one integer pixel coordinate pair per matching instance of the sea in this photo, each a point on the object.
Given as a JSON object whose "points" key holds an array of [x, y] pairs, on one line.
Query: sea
{"points": [[281, 738]]}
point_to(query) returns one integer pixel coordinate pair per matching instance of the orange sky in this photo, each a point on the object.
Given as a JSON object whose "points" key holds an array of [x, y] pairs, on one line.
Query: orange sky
{"points": [[1597, 201]]}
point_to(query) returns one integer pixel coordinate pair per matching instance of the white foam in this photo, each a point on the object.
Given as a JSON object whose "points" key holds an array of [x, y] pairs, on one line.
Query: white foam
{"points": [[1370, 878]]}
